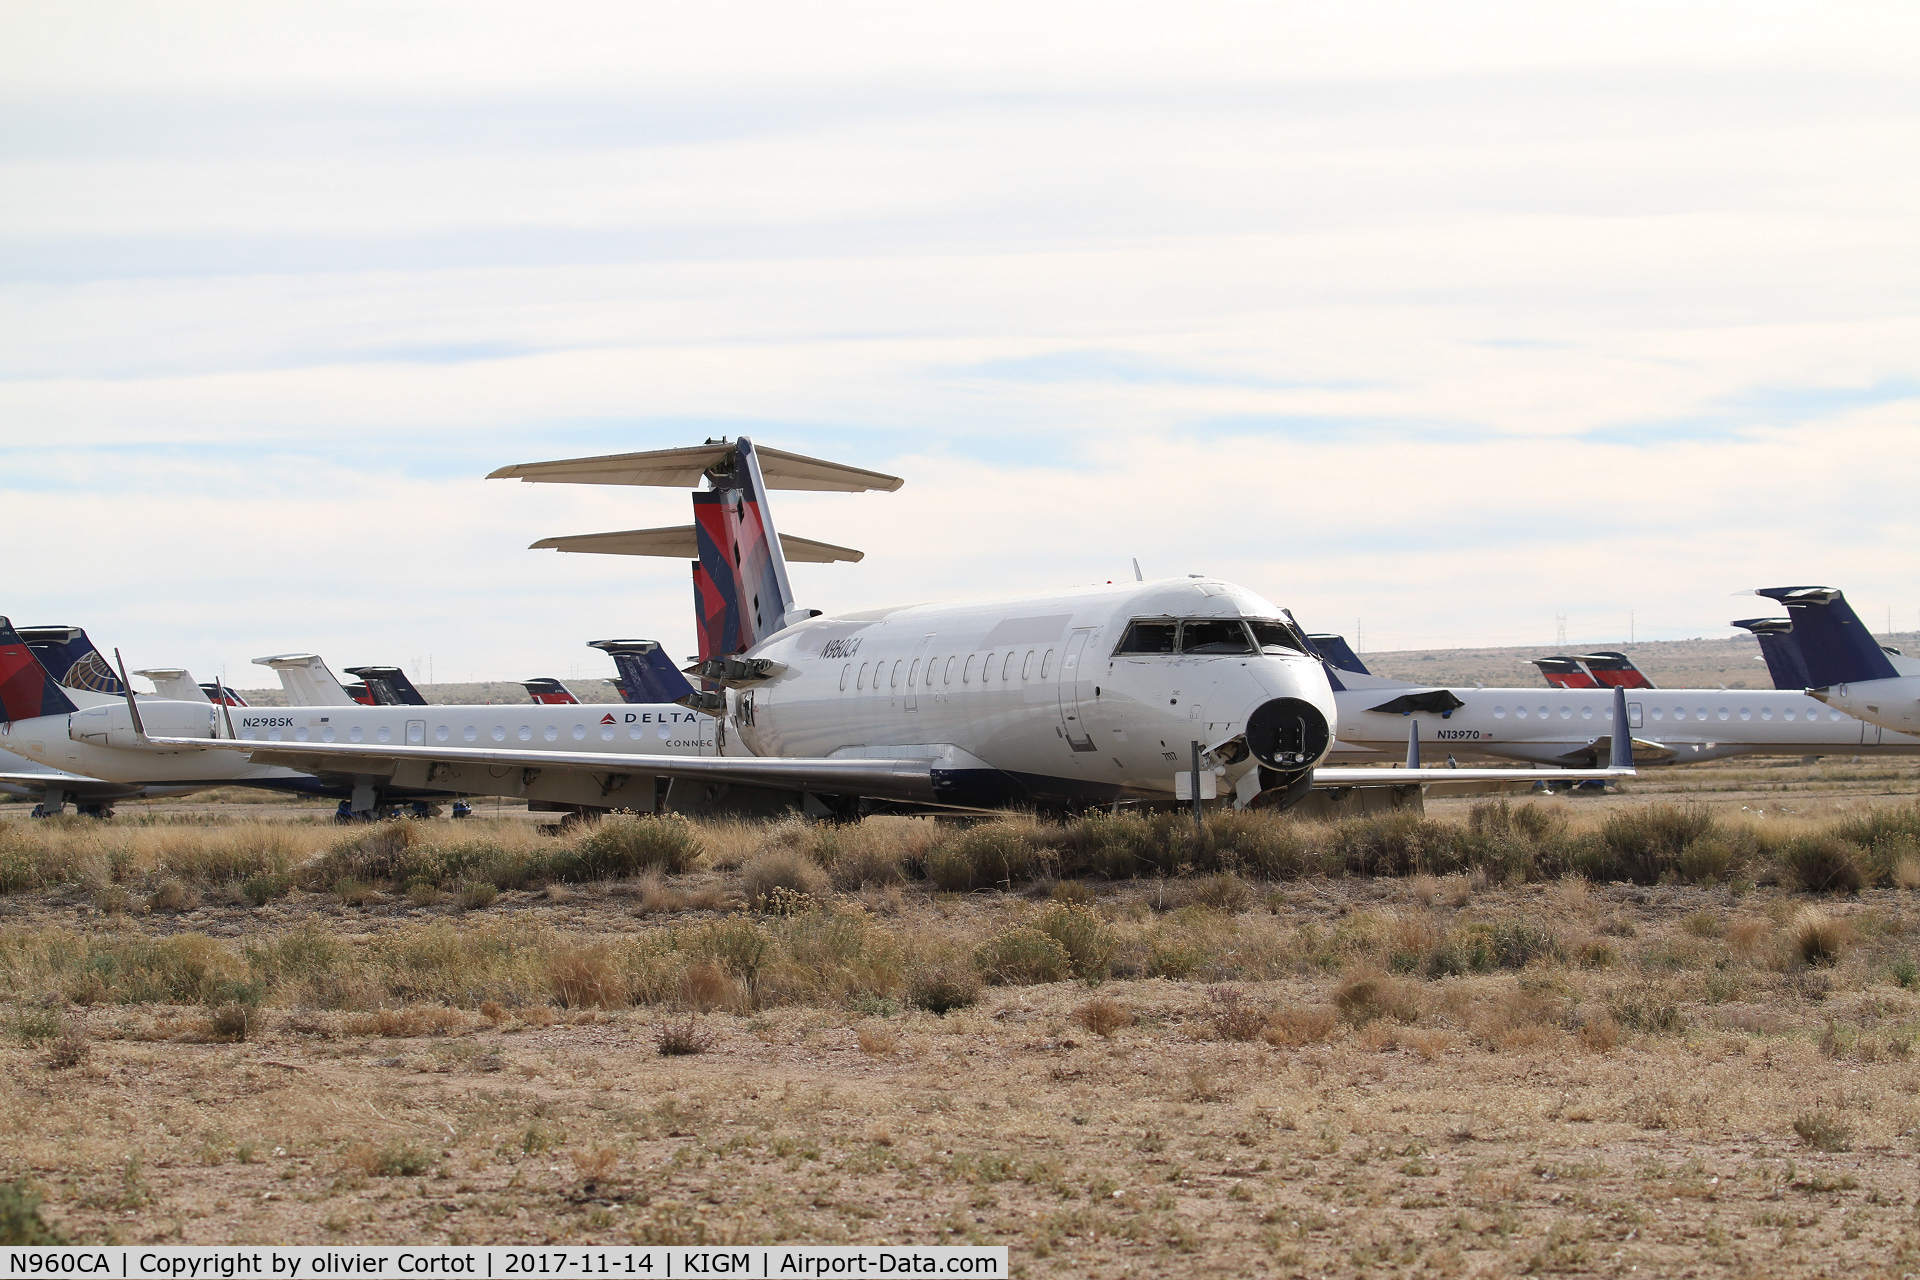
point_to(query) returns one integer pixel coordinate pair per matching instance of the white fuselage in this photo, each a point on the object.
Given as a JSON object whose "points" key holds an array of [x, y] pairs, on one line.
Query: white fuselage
{"points": [[96, 740], [1022, 699], [1546, 726], [1891, 706]]}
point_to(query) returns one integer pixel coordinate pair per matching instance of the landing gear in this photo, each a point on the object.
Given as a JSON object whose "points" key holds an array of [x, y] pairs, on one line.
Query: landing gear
{"points": [[94, 810], [461, 809]]}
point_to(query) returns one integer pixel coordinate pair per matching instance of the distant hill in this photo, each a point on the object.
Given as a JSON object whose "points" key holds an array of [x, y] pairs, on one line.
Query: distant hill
{"points": [[1672, 664]]}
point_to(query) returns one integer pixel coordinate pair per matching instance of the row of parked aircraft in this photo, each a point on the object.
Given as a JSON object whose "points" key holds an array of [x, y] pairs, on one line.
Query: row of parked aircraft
{"points": [[1179, 690]]}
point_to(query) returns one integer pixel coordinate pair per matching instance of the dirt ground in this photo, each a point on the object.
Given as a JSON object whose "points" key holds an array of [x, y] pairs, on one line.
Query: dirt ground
{"points": [[1763, 1120]]}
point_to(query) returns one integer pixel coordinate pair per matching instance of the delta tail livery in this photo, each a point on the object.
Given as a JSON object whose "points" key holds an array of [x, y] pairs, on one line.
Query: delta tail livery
{"points": [[1846, 668]]}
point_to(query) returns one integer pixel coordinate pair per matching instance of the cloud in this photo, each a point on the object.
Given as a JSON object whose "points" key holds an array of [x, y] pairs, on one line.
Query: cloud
{"points": [[1450, 320]]}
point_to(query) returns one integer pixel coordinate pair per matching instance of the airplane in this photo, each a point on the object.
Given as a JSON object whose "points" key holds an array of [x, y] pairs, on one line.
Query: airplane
{"points": [[1180, 689], [1568, 725], [1848, 669], [94, 734], [68, 650]]}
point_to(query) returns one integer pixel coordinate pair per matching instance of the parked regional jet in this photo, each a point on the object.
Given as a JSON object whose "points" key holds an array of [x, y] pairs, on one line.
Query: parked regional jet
{"points": [[96, 735], [1567, 725], [1049, 699], [1847, 668], [1565, 673]]}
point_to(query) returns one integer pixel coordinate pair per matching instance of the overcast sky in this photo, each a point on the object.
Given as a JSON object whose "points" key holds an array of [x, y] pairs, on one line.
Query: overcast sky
{"points": [[1435, 321]]}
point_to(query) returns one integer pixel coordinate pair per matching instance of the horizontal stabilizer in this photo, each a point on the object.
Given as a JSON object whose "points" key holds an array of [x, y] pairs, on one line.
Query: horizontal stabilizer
{"points": [[685, 468], [681, 542]]}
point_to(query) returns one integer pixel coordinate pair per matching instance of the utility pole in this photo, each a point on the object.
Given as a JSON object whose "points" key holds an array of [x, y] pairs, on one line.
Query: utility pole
{"points": [[1560, 629], [1198, 825], [1629, 626]]}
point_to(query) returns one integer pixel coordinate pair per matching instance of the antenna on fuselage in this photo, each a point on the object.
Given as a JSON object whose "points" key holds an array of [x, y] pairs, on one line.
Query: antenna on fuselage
{"points": [[1413, 743]]}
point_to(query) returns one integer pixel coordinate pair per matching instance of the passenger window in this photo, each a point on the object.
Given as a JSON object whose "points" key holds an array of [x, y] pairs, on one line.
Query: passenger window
{"points": [[893, 681], [1006, 668], [913, 673], [946, 673], [1214, 636], [986, 669], [966, 674], [1026, 667], [844, 673], [860, 681], [1148, 637], [1276, 637], [1046, 664]]}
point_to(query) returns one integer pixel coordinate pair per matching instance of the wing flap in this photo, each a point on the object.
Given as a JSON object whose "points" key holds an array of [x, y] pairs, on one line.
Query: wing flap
{"points": [[889, 779]]}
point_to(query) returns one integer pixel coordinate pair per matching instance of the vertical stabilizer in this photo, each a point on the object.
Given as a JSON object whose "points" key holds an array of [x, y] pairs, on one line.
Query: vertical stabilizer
{"points": [[27, 691], [646, 673], [1614, 669], [71, 659], [175, 683], [1565, 673], [1336, 652], [307, 681], [1782, 652], [549, 692], [389, 687], [1836, 645]]}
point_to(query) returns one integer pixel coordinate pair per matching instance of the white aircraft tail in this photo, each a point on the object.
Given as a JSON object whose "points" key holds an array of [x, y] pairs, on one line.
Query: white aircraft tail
{"points": [[307, 680], [175, 683]]}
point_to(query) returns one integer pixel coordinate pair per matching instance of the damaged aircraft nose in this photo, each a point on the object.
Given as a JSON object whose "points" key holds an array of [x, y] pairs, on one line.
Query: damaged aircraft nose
{"points": [[1288, 734]]}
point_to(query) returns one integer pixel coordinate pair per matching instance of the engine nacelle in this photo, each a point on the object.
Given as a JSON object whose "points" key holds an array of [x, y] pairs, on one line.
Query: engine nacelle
{"points": [[111, 725]]}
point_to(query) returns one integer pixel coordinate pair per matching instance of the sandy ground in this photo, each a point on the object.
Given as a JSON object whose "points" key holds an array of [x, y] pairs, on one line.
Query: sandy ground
{"points": [[1471, 1141]]}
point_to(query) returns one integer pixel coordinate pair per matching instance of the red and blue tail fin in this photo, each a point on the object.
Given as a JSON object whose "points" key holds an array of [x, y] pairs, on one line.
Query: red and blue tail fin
{"points": [[27, 692], [1565, 673], [549, 692], [72, 660], [387, 687], [1836, 645], [1781, 651], [1614, 669]]}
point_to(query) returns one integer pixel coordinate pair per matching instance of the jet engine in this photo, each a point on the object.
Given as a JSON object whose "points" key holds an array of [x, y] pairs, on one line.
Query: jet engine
{"points": [[111, 725]]}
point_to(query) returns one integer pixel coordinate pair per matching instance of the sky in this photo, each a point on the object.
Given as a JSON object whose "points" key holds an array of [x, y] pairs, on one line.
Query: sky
{"points": [[1436, 324]]}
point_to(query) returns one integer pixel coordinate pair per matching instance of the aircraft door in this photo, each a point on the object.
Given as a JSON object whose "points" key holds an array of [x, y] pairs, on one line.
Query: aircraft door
{"points": [[917, 672], [1072, 721], [416, 733]]}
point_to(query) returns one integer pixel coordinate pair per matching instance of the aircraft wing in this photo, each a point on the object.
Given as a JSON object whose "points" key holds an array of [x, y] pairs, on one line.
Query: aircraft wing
{"points": [[883, 779], [1374, 776]]}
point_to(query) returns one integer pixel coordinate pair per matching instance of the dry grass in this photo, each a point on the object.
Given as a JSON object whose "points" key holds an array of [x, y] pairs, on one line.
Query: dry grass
{"points": [[1105, 1018], [1312, 1075]]}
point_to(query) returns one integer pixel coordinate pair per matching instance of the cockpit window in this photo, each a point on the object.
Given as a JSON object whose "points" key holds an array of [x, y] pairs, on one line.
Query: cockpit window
{"points": [[1214, 636], [1148, 637], [1276, 637]]}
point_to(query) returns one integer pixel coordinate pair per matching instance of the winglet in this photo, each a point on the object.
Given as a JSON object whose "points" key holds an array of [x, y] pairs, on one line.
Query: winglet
{"points": [[133, 708], [1413, 744], [1622, 754]]}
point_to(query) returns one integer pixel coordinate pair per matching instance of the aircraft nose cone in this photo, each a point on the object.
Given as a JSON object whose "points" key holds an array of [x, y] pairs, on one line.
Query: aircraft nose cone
{"points": [[1288, 733]]}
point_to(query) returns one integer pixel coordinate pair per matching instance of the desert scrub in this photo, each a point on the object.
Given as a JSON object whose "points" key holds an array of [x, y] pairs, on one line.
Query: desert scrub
{"points": [[781, 878], [1666, 842], [626, 844], [1022, 956], [832, 955]]}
